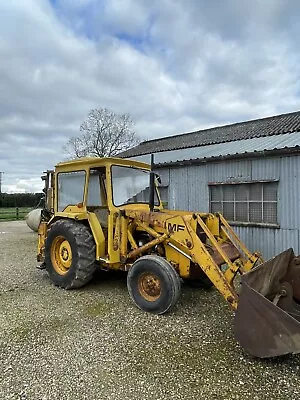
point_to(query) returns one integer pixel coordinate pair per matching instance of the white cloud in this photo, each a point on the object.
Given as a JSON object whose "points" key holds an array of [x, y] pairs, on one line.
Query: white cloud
{"points": [[30, 185], [175, 66]]}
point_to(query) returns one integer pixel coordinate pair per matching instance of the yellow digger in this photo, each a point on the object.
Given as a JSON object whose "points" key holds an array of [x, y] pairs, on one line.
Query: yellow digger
{"points": [[106, 213]]}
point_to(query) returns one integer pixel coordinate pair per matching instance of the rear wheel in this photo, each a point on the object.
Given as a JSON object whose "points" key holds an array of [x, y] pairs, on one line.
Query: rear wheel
{"points": [[70, 254], [153, 284]]}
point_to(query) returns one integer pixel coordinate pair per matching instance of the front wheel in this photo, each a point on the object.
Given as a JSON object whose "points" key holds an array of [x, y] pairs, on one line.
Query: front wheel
{"points": [[153, 284], [70, 254]]}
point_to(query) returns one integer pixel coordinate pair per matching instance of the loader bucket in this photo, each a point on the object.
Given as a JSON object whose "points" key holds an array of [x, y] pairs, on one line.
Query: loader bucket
{"points": [[267, 320]]}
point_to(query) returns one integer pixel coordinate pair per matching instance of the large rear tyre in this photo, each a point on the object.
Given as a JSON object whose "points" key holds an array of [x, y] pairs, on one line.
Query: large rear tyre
{"points": [[153, 284], [70, 254]]}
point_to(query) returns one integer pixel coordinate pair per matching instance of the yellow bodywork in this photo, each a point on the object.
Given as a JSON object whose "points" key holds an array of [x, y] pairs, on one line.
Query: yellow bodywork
{"points": [[191, 242], [61, 255]]}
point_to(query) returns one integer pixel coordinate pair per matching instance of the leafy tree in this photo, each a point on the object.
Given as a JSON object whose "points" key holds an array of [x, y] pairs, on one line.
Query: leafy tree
{"points": [[104, 133], [20, 199]]}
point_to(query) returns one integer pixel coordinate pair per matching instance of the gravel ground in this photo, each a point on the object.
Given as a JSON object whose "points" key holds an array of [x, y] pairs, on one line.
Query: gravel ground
{"points": [[93, 343]]}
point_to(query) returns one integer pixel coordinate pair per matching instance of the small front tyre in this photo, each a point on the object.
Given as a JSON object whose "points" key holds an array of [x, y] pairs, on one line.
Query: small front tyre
{"points": [[153, 284]]}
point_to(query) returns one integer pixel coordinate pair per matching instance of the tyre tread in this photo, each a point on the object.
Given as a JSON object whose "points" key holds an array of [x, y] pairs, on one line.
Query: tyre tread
{"points": [[85, 245], [168, 269]]}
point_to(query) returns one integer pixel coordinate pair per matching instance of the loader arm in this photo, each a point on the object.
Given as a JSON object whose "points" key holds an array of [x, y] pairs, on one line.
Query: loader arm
{"points": [[267, 319], [183, 246]]}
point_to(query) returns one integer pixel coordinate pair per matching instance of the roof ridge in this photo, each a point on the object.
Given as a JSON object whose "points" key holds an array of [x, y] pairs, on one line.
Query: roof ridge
{"points": [[260, 127], [184, 147], [219, 127]]}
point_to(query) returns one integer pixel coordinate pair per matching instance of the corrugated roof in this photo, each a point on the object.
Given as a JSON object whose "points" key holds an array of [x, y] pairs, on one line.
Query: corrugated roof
{"points": [[277, 142], [265, 127]]}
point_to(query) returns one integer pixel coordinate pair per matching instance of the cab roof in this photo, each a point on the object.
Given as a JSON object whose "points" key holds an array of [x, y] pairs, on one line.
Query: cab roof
{"points": [[90, 162]]}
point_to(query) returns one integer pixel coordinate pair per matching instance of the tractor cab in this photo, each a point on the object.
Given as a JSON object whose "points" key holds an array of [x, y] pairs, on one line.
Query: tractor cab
{"points": [[95, 191], [90, 183]]}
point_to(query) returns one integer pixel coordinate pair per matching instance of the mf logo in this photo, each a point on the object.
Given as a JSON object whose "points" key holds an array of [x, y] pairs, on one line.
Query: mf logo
{"points": [[174, 227]]}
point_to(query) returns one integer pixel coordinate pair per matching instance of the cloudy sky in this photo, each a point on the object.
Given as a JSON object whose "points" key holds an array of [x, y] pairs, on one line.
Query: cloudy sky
{"points": [[174, 65]]}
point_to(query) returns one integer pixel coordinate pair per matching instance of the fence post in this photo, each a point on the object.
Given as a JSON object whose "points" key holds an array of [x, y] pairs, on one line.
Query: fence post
{"points": [[17, 212]]}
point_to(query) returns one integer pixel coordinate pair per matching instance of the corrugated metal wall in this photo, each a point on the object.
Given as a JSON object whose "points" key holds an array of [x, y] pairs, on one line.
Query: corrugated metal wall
{"points": [[188, 190]]}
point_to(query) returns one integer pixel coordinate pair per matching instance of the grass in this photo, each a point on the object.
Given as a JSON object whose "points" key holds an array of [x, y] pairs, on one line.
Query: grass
{"points": [[98, 309], [25, 330], [11, 213]]}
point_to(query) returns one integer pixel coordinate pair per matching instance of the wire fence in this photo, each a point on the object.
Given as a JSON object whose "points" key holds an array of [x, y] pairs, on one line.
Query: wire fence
{"points": [[14, 213]]}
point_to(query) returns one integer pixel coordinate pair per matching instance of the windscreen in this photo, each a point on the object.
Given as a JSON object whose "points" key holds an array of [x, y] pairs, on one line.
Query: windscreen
{"points": [[131, 185]]}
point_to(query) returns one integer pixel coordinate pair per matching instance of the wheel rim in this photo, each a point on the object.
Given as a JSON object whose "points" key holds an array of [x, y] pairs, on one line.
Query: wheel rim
{"points": [[61, 255], [149, 286]]}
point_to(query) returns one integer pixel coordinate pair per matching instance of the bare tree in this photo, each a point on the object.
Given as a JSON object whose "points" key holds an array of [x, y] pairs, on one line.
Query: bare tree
{"points": [[104, 133]]}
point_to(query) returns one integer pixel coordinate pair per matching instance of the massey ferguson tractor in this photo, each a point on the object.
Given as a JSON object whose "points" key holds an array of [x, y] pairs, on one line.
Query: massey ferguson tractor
{"points": [[106, 213]]}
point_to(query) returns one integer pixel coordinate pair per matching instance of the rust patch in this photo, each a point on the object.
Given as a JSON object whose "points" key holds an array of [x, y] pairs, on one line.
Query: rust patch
{"points": [[147, 246], [229, 249], [188, 243]]}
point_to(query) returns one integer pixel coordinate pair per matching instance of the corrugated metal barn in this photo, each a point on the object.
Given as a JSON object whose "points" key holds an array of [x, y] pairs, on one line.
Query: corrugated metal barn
{"points": [[249, 171]]}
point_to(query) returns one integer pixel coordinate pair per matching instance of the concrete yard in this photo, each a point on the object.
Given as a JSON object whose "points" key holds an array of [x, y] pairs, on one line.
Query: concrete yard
{"points": [[93, 343]]}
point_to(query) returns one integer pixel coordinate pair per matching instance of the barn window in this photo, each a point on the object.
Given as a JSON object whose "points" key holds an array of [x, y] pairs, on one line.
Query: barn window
{"points": [[245, 202]]}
